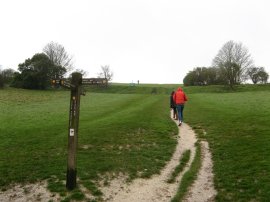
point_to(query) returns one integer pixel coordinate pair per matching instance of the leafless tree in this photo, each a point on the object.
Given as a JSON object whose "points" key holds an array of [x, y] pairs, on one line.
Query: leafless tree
{"points": [[263, 77], [106, 73], [58, 55], [233, 59], [252, 72], [258, 75]]}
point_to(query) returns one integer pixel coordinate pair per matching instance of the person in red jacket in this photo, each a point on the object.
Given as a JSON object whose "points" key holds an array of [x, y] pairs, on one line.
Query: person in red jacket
{"points": [[179, 99]]}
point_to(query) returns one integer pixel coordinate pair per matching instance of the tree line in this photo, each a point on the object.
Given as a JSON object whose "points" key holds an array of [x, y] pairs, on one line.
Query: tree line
{"points": [[231, 66], [38, 71]]}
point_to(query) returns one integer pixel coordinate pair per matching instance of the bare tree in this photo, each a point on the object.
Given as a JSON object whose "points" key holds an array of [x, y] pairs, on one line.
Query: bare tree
{"points": [[252, 73], [233, 59], [106, 73], [263, 75], [230, 72], [58, 55]]}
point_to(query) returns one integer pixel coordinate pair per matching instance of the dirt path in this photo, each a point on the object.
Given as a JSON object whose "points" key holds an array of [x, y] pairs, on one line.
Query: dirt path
{"points": [[28, 193], [156, 188], [203, 187], [140, 190]]}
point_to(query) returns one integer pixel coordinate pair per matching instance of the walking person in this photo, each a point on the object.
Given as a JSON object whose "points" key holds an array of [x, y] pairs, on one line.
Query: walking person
{"points": [[173, 106], [180, 98]]}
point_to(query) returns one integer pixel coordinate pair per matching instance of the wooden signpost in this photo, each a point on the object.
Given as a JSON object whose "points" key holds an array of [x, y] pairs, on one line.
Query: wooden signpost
{"points": [[76, 90]]}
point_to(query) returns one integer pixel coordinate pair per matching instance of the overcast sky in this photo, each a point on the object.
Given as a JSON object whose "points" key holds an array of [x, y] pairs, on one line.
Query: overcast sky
{"points": [[154, 41]]}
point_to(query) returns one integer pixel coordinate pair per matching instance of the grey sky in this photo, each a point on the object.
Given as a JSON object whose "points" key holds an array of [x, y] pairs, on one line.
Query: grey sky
{"points": [[152, 41]]}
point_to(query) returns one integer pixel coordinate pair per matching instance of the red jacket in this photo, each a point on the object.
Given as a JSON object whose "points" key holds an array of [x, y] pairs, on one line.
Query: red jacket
{"points": [[179, 97]]}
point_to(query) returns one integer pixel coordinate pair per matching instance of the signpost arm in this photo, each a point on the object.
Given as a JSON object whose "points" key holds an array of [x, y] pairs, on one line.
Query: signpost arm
{"points": [[76, 84]]}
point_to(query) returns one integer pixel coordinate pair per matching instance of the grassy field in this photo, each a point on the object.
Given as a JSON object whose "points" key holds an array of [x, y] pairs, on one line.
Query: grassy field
{"points": [[135, 89], [127, 129], [128, 133], [238, 130]]}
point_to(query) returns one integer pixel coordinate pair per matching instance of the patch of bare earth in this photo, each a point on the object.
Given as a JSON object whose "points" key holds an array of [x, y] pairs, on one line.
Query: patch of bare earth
{"points": [[28, 193]]}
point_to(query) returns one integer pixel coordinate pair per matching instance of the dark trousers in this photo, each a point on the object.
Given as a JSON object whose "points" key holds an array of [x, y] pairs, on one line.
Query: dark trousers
{"points": [[174, 112], [180, 108]]}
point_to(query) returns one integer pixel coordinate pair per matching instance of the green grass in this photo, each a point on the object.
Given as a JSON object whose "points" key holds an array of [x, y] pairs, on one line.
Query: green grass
{"points": [[226, 89], [238, 130], [136, 89], [128, 133], [180, 167], [168, 88]]}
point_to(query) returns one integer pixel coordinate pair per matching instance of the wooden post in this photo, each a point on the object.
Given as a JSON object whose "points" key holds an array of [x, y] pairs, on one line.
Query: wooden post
{"points": [[76, 83]]}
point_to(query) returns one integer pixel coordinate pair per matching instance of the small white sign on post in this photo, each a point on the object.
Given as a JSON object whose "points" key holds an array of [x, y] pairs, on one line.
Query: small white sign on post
{"points": [[71, 132]]}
